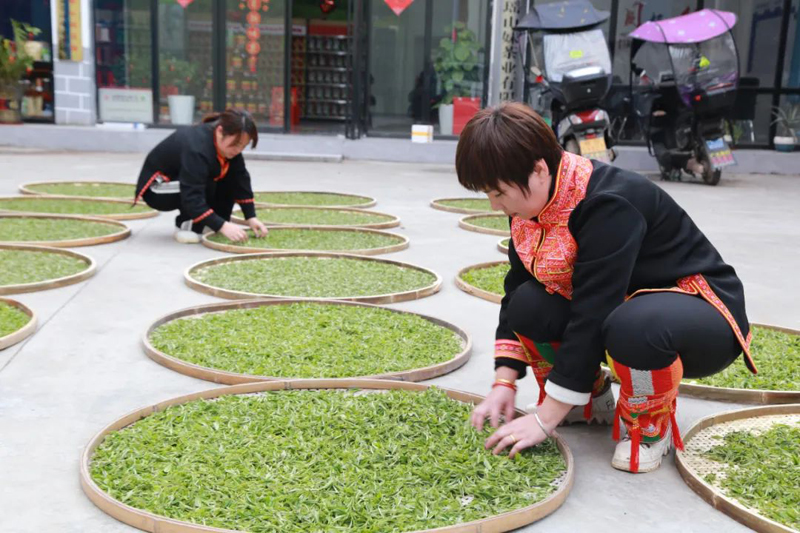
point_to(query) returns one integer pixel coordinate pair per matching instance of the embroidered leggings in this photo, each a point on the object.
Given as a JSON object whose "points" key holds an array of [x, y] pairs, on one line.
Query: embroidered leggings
{"points": [[219, 197], [646, 332]]}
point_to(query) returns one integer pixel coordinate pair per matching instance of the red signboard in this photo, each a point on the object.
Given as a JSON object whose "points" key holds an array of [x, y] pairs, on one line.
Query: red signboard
{"points": [[398, 6]]}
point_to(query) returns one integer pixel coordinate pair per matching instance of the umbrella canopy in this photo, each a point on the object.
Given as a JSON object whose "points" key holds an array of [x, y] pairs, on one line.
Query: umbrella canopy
{"points": [[560, 16], [692, 28]]}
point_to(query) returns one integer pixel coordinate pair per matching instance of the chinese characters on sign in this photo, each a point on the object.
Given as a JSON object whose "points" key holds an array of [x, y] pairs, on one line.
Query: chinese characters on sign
{"points": [[70, 43], [507, 70]]}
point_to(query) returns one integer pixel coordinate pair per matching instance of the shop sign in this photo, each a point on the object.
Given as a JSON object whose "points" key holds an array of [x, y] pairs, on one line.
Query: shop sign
{"points": [[126, 105]]}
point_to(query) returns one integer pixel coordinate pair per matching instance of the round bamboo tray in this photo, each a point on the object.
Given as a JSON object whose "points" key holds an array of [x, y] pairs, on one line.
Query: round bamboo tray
{"points": [[436, 204], [124, 205], [51, 283], [394, 297], [155, 523], [369, 202], [466, 223], [25, 331], [123, 231], [693, 466], [243, 249], [25, 188], [392, 223], [502, 247], [757, 396], [475, 291], [233, 378]]}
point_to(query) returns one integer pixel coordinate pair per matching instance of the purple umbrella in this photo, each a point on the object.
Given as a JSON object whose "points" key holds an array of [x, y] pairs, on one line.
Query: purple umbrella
{"points": [[692, 28]]}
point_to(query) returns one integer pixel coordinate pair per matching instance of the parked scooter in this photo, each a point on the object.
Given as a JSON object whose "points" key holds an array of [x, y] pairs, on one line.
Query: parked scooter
{"points": [[568, 72], [684, 77]]}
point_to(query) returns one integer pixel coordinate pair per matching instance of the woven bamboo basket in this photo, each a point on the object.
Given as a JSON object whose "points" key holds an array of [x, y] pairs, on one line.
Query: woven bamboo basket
{"points": [[91, 267], [25, 331], [123, 231], [475, 291]]}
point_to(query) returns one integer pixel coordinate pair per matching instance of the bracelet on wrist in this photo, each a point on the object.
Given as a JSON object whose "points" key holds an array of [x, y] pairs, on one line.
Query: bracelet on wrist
{"points": [[541, 425], [505, 383]]}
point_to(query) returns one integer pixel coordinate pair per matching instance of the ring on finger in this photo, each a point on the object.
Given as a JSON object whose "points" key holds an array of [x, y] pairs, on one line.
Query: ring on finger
{"points": [[513, 438]]}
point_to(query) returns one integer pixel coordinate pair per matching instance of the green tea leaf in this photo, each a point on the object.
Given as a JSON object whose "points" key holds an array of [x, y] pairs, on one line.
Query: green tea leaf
{"points": [[489, 279], [24, 266], [312, 239], [319, 199], [71, 206], [11, 319], [51, 229], [125, 191]]}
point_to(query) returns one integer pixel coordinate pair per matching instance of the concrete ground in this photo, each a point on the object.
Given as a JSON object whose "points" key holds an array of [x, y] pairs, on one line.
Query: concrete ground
{"points": [[85, 366]]}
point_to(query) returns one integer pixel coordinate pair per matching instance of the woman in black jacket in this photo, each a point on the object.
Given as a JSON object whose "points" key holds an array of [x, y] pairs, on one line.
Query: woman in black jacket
{"points": [[605, 266], [200, 171]]}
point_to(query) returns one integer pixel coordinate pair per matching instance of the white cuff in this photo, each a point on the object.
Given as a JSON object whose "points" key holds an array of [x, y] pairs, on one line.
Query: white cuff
{"points": [[564, 395]]}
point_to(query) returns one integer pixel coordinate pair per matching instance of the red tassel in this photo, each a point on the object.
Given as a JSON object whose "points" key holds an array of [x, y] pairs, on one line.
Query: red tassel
{"points": [[635, 441], [676, 435], [615, 429], [587, 410]]}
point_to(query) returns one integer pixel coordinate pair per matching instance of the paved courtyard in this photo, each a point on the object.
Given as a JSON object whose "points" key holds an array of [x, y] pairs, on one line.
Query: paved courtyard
{"points": [[85, 366]]}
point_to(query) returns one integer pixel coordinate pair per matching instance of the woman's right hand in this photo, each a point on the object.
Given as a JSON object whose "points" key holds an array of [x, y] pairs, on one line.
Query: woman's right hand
{"points": [[499, 401], [233, 232]]}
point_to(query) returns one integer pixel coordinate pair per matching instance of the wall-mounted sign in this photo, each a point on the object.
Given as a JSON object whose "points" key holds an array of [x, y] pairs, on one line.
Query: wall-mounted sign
{"points": [[70, 43], [126, 105]]}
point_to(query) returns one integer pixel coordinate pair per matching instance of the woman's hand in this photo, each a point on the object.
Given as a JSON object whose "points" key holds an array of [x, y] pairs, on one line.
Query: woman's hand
{"points": [[233, 232], [258, 227], [526, 432], [499, 401]]}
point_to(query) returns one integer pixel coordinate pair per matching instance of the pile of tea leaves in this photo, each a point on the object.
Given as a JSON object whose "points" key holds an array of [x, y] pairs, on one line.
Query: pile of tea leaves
{"points": [[498, 222], [474, 204], [777, 356], [317, 199], [762, 471], [328, 460], [11, 319], [308, 340], [21, 229], [19, 267], [69, 206], [490, 279], [313, 277], [319, 217], [312, 239], [125, 191]]}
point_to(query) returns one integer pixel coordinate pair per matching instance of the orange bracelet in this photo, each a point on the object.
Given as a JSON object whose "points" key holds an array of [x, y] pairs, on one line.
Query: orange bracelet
{"points": [[505, 383]]}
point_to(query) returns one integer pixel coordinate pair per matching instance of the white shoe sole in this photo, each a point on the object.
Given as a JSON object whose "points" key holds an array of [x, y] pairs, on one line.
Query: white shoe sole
{"points": [[644, 467], [187, 237]]}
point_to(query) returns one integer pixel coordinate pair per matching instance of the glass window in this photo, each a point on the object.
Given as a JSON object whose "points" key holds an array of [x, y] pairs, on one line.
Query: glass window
{"points": [[396, 62], [123, 48], [565, 52], [791, 64], [185, 64], [751, 118], [254, 60]]}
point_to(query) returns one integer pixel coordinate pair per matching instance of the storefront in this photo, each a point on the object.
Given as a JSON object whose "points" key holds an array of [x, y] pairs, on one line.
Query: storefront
{"points": [[352, 66]]}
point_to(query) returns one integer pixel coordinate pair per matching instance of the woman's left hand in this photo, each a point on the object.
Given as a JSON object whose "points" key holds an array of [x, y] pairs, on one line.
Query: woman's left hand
{"points": [[258, 227], [520, 434]]}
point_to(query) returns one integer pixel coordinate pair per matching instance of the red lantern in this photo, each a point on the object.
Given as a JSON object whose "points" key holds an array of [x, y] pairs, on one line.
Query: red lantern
{"points": [[253, 33], [253, 48], [254, 5], [254, 18], [327, 6]]}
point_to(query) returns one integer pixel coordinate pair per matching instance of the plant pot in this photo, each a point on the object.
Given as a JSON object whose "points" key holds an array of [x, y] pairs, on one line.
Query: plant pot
{"points": [[783, 144], [181, 109], [446, 119], [10, 103]]}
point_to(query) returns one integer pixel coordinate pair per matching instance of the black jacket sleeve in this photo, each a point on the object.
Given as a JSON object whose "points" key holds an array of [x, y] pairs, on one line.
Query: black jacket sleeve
{"points": [[609, 232], [242, 189], [193, 179]]}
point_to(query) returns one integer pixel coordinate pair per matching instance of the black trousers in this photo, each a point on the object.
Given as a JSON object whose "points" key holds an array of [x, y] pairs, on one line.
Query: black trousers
{"points": [[646, 332], [219, 197]]}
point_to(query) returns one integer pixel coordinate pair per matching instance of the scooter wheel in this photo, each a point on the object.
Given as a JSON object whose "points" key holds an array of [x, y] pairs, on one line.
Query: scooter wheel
{"points": [[712, 177]]}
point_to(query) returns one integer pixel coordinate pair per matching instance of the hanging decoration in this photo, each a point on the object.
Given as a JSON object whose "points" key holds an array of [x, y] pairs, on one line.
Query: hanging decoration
{"points": [[327, 6], [398, 6], [253, 32]]}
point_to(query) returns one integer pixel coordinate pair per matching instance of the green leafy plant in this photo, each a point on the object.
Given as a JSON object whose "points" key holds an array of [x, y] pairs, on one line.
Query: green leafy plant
{"points": [[11, 319], [319, 217], [125, 191], [18, 267], [177, 73], [52, 229], [310, 239], [328, 460], [318, 199], [787, 119], [308, 340], [61, 206], [14, 62], [456, 61], [313, 277], [762, 471], [489, 279]]}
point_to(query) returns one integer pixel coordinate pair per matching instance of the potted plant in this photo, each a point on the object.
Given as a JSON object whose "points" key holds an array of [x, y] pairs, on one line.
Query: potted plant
{"points": [[456, 66], [177, 81], [787, 119], [14, 64]]}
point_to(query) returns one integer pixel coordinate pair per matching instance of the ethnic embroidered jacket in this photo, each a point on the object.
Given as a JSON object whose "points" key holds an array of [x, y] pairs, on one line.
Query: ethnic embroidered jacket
{"points": [[190, 156], [605, 234]]}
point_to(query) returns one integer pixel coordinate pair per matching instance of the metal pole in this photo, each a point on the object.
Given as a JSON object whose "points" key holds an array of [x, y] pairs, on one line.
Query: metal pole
{"points": [[778, 85], [427, 70], [287, 67], [218, 51], [154, 61]]}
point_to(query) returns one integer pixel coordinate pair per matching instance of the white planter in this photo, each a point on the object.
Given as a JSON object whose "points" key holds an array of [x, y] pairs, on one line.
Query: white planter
{"points": [[181, 109], [446, 119], [783, 144]]}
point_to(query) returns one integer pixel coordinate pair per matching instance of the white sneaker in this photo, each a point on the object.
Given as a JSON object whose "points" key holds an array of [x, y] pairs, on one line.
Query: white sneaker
{"points": [[603, 409], [650, 453], [185, 235]]}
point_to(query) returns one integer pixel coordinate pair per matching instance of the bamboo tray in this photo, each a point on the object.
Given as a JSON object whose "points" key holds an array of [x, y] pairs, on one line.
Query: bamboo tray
{"points": [[244, 249], [693, 466], [123, 231], [475, 291], [234, 378], [124, 206], [466, 223], [159, 524], [51, 283], [756, 396], [369, 202], [393, 221], [394, 297], [25, 188], [25, 331], [502, 247], [437, 204]]}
